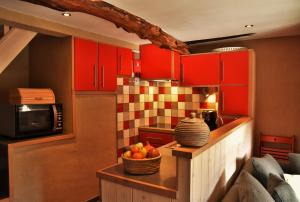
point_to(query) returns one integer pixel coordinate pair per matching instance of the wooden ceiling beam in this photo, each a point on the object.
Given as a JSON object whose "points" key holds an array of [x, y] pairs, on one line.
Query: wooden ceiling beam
{"points": [[121, 18]]}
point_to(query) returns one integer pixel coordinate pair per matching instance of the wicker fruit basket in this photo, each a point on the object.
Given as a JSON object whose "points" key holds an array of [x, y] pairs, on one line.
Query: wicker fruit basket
{"points": [[192, 132], [142, 166]]}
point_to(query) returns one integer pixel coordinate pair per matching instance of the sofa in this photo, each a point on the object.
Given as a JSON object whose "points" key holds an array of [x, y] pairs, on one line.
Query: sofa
{"points": [[264, 179]]}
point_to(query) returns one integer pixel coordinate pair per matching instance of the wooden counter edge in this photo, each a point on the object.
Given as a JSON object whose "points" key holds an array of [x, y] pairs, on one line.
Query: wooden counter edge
{"points": [[137, 184], [216, 136], [39, 140]]}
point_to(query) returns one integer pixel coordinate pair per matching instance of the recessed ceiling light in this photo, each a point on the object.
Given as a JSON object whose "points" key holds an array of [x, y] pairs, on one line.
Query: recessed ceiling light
{"points": [[66, 14], [248, 26]]}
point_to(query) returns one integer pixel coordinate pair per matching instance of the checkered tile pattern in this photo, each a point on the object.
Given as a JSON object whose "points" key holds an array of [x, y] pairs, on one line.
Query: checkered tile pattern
{"points": [[143, 103]]}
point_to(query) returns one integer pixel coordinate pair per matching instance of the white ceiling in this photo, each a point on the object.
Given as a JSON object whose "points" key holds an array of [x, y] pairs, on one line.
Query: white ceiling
{"points": [[187, 19]]}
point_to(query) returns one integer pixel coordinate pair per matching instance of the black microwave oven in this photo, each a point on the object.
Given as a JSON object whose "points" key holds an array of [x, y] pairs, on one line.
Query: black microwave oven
{"points": [[28, 120]]}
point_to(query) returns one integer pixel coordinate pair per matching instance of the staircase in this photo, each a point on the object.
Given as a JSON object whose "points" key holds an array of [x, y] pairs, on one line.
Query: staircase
{"points": [[12, 42]]}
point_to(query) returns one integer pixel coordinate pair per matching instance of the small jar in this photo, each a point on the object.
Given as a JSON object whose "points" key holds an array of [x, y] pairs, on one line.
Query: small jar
{"points": [[192, 131]]}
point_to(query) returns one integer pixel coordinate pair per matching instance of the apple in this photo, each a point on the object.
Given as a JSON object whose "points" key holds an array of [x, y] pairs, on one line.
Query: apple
{"points": [[134, 149], [148, 146], [152, 153], [127, 154], [139, 145], [143, 151], [138, 155]]}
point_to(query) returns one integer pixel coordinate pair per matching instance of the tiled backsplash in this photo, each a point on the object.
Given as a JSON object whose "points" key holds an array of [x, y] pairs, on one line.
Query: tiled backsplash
{"points": [[143, 103]]}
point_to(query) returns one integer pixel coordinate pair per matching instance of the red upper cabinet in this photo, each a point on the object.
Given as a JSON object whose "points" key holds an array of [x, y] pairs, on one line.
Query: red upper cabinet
{"points": [[95, 66], [107, 67], [85, 64], [125, 61], [158, 63], [235, 67], [234, 100], [200, 69]]}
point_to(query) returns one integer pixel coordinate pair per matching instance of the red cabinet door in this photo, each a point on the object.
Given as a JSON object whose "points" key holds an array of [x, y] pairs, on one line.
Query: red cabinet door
{"points": [[125, 61], [201, 69], [234, 100], [155, 139], [85, 64], [158, 63], [107, 67], [235, 67]]}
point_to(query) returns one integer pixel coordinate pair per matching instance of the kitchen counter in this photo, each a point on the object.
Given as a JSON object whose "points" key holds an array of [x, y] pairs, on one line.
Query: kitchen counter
{"points": [[187, 173], [163, 182]]}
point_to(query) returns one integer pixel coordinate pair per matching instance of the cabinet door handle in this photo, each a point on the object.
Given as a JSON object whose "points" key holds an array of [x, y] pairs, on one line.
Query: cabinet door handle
{"points": [[95, 76], [223, 99], [222, 70], [182, 73], [120, 67], [103, 73]]}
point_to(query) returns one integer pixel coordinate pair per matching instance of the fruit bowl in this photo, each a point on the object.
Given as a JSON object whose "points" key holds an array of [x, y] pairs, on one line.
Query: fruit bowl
{"points": [[141, 166]]}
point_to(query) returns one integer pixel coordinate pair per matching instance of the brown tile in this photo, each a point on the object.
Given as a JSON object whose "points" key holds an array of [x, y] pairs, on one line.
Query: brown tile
{"points": [[160, 112], [174, 105], [120, 89], [126, 107], [131, 124], [188, 97], [136, 98]]}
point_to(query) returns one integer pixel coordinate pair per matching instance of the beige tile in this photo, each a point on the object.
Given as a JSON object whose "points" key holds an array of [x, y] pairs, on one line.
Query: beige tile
{"points": [[167, 112], [131, 107], [154, 112], [195, 98], [120, 116], [168, 97], [155, 90], [142, 98], [126, 98], [181, 90], [181, 113], [188, 90], [167, 120], [168, 84], [147, 121], [120, 98], [125, 89], [150, 98], [131, 115], [174, 98], [155, 105], [161, 105], [126, 133], [196, 105], [137, 123], [142, 121], [120, 125], [119, 81], [174, 90], [147, 113], [181, 105], [161, 97], [136, 89], [146, 98], [151, 90], [136, 131], [142, 106]]}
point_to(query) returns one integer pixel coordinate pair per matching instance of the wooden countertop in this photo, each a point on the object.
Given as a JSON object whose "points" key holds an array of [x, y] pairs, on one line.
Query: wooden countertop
{"points": [[163, 182], [215, 136]]}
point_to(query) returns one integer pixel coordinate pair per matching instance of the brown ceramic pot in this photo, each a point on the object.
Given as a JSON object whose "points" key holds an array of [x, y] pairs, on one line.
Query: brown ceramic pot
{"points": [[192, 131]]}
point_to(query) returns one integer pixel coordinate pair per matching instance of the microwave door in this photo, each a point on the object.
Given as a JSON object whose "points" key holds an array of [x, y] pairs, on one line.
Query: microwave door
{"points": [[34, 119]]}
